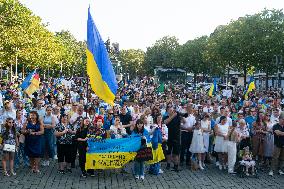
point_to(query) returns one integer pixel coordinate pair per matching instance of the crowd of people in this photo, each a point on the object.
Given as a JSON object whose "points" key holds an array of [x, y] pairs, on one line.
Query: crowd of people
{"points": [[57, 121]]}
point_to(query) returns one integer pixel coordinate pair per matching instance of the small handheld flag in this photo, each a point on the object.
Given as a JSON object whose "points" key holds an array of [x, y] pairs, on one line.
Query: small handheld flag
{"points": [[31, 83], [213, 88], [251, 87], [99, 67]]}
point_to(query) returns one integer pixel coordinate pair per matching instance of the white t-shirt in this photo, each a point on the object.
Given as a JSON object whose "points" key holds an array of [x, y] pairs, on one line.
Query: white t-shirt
{"points": [[189, 122]]}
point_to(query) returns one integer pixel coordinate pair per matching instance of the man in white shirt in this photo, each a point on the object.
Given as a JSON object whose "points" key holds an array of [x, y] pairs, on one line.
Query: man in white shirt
{"points": [[186, 134]]}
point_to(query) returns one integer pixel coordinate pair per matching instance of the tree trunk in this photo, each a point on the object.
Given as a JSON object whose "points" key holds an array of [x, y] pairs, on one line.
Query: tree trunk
{"points": [[266, 79]]}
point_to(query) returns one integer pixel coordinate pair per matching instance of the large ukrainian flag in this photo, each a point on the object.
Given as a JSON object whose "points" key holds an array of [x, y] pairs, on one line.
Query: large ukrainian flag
{"points": [[99, 67]]}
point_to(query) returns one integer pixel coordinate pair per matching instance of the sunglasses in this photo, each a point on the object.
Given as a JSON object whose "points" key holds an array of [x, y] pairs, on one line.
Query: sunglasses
{"points": [[10, 121]]}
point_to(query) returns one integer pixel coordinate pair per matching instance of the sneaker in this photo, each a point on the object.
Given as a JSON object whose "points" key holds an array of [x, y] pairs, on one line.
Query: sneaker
{"points": [[47, 163], [43, 163], [161, 171], [203, 164], [6, 174], [281, 172], [217, 164], [270, 173], [55, 157], [247, 174], [168, 166], [92, 174], [84, 175], [224, 167], [142, 177], [61, 171], [13, 173], [220, 167], [136, 176], [231, 172]]}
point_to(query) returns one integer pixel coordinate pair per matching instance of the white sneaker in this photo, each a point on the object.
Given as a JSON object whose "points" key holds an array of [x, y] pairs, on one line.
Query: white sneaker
{"points": [[142, 177], [136, 176], [161, 171], [43, 163], [47, 163], [270, 173], [220, 167], [281, 172], [224, 167], [200, 166], [55, 157], [203, 164], [217, 163]]}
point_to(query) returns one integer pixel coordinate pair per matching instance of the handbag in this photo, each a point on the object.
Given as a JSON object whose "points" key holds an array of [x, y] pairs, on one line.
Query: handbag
{"points": [[9, 148]]}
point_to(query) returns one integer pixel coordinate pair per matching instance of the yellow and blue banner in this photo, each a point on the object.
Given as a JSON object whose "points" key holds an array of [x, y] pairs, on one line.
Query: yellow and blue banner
{"points": [[251, 86], [31, 83], [99, 67], [213, 88], [111, 153]]}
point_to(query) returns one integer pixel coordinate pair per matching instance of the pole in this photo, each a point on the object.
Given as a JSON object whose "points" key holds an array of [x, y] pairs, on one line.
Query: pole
{"points": [[16, 70], [87, 94], [278, 72], [11, 69]]}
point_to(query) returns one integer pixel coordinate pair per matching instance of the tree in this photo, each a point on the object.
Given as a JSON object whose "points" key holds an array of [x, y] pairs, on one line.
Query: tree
{"points": [[162, 53], [132, 61], [190, 56]]}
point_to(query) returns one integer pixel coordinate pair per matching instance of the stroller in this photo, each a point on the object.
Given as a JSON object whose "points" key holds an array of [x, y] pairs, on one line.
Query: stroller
{"points": [[241, 165]]}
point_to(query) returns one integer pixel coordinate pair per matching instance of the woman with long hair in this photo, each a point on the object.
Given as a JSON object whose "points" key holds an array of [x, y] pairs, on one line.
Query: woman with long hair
{"points": [[33, 129], [258, 131], [81, 137], [139, 130], [19, 123], [9, 136], [49, 124]]}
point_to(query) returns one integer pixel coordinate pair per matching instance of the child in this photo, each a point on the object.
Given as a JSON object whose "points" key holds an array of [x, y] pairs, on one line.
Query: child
{"points": [[140, 131], [247, 161], [9, 136], [197, 144]]}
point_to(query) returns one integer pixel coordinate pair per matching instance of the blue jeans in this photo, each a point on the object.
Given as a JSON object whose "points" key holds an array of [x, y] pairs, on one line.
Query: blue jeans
{"points": [[139, 167], [49, 142], [21, 154]]}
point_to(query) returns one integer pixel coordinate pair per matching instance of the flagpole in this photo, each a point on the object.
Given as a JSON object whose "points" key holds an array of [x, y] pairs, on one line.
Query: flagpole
{"points": [[87, 95]]}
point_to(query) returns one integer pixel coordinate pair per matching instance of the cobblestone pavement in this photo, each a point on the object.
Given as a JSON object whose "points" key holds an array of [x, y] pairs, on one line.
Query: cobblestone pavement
{"points": [[209, 178]]}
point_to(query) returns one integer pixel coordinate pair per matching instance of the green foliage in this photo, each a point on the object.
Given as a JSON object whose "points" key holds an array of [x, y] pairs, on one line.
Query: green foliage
{"points": [[132, 61], [162, 53], [22, 34]]}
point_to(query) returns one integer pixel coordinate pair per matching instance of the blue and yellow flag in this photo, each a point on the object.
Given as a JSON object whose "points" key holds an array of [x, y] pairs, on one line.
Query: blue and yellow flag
{"points": [[31, 83], [111, 153], [251, 86], [99, 67], [213, 88]]}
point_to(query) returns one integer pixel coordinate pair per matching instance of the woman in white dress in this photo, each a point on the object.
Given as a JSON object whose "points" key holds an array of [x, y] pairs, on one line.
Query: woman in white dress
{"points": [[206, 129], [221, 141], [197, 145]]}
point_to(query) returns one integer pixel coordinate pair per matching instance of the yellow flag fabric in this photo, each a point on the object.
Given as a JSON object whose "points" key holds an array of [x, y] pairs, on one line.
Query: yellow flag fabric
{"points": [[251, 87]]}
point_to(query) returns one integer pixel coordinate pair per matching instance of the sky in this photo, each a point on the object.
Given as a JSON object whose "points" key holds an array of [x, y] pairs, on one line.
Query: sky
{"points": [[139, 23]]}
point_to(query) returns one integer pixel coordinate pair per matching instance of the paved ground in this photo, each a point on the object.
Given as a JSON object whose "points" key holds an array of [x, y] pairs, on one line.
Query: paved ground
{"points": [[209, 178]]}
